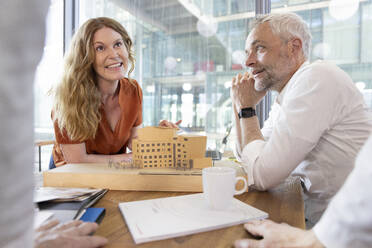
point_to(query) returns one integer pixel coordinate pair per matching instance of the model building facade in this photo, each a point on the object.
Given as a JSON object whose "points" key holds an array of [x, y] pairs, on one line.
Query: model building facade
{"points": [[157, 147]]}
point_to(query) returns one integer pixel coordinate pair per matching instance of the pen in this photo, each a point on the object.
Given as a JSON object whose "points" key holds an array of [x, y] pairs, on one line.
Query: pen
{"points": [[80, 214], [89, 203]]}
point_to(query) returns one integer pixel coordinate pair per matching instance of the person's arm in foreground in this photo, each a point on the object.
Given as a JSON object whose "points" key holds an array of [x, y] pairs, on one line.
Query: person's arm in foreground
{"points": [[345, 223], [19, 22], [277, 235], [68, 235]]}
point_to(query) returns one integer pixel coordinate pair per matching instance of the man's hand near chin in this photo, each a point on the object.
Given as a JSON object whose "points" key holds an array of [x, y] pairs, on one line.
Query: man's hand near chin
{"points": [[243, 93], [68, 235], [277, 235]]}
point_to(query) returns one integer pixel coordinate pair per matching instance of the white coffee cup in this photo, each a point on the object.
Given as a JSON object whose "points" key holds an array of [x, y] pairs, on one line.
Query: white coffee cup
{"points": [[219, 186]]}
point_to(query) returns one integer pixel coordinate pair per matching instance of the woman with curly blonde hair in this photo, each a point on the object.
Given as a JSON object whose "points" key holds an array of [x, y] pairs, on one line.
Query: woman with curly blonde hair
{"points": [[97, 108]]}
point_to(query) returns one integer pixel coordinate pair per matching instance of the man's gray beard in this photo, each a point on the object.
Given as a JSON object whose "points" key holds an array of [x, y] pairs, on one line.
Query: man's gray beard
{"points": [[267, 84], [271, 83]]}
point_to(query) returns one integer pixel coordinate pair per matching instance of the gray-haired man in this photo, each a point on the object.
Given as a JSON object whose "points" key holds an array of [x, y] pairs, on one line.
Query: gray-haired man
{"points": [[317, 124]]}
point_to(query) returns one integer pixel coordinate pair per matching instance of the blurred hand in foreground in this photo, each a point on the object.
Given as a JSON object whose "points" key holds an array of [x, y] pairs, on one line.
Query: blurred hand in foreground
{"points": [[68, 235], [277, 235]]}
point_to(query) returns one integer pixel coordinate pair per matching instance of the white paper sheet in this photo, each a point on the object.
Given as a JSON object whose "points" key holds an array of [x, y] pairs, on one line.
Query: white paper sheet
{"points": [[170, 217]]}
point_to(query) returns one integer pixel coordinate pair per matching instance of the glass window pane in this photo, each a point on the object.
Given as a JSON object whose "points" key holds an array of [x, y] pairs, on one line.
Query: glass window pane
{"points": [[47, 74], [366, 36], [341, 34], [48, 71]]}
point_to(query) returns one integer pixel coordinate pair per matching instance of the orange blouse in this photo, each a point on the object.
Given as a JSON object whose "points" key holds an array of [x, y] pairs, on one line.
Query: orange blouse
{"points": [[106, 141]]}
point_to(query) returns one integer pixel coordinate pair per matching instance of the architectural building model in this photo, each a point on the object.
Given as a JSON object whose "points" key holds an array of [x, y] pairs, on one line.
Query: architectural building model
{"points": [[158, 147]]}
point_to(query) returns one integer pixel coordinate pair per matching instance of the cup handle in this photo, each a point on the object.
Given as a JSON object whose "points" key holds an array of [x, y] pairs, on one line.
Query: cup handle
{"points": [[238, 192]]}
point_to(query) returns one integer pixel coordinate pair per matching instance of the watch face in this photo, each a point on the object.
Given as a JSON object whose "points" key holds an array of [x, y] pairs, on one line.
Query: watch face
{"points": [[246, 113]]}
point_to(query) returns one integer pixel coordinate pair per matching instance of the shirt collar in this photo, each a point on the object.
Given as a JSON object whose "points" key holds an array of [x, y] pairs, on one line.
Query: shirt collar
{"points": [[279, 98]]}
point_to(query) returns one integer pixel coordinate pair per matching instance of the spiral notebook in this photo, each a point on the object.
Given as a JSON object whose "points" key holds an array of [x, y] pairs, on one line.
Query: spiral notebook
{"points": [[170, 217]]}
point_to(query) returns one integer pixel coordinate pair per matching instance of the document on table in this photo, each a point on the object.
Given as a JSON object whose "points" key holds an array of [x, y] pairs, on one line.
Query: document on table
{"points": [[67, 203], [170, 217], [43, 194]]}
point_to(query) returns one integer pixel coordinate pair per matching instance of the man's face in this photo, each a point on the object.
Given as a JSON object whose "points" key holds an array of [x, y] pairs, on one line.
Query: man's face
{"points": [[268, 59]]}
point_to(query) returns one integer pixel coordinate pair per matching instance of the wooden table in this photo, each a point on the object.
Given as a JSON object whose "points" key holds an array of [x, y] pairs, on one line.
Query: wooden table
{"points": [[284, 204]]}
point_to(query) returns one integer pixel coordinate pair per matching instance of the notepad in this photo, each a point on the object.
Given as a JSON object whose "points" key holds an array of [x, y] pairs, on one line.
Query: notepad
{"points": [[170, 217]]}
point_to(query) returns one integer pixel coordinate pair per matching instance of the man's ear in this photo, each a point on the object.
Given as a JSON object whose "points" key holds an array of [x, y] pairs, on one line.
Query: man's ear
{"points": [[294, 46]]}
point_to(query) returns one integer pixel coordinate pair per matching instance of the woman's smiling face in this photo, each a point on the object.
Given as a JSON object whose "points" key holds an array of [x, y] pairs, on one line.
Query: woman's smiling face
{"points": [[111, 55]]}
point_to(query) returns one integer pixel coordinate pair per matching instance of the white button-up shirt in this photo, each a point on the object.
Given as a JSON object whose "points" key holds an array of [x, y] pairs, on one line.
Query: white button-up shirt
{"points": [[347, 222], [315, 130]]}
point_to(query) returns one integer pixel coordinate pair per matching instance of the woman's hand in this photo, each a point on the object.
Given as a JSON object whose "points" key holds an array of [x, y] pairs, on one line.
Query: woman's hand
{"points": [[165, 123], [126, 157]]}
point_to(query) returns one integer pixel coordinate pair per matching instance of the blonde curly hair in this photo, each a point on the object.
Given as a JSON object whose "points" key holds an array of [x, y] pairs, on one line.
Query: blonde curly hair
{"points": [[77, 97]]}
